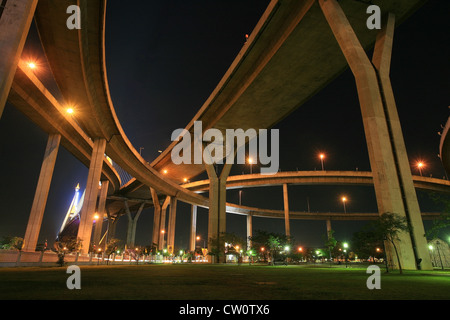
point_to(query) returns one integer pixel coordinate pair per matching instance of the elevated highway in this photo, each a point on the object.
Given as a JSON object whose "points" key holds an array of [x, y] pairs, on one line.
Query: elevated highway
{"points": [[315, 178], [302, 215], [296, 49], [31, 97], [276, 71]]}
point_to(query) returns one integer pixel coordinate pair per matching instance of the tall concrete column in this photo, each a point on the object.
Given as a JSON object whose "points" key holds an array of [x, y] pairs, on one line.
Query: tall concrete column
{"points": [[156, 217], [379, 138], [382, 62], [162, 225], [132, 224], [249, 230], [172, 223], [91, 195], [328, 228], [213, 214], [15, 22], [287, 224], [193, 230], [101, 214], [41, 194], [112, 223], [217, 223], [223, 198]]}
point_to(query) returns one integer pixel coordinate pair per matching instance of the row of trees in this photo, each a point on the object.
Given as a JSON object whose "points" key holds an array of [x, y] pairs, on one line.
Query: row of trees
{"points": [[277, 247], [365, 243], [11, 243]]}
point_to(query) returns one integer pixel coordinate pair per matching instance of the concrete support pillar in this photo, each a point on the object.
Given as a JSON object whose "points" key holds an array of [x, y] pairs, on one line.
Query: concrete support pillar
{"points": [[41, 195], [156, 217], [132, 224], [15, 22], [172, 224], [162, 226], [217, 222], [193, 231], [223, 198], [287, 224], [91, 195], [112, 223], [101, 214], [380, 139], [213, 215], [382, 62], [249, 230], [328, 228]]}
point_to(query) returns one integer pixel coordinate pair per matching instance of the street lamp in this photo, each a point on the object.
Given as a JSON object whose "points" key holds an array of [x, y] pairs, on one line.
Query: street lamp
{"points": [[377, 250], [32, 65], [198, 239], [322, 156], [420, 165], [250, 161], [344, 200], [98, 255], [345, 245], [163, 233]]}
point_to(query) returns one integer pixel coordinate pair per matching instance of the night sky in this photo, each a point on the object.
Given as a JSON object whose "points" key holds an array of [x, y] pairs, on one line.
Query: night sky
{"points": [[166, 57]]}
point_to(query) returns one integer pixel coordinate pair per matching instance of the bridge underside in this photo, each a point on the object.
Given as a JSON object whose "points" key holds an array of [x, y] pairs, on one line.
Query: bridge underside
{"points": [[296, 49]]}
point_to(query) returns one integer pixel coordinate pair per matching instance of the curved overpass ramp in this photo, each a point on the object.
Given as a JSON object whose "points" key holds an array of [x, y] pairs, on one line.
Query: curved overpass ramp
{"points": [[290, 56], [30, 96], [315, 178], [77, 60]]}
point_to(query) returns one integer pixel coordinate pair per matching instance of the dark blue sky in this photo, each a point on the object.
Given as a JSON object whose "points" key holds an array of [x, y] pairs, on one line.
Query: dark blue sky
{"points": [[166, 57]]}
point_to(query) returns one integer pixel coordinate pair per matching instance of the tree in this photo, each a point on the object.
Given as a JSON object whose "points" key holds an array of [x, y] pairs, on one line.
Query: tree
{"points": [[64, 246], [443, 221], [388, 227], [272, 243], [111, 247], [330, 242], [365, 242], [11, 243], [218, 248]]}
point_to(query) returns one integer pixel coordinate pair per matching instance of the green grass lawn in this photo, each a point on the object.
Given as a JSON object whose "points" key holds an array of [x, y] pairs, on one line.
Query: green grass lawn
{"points": [[220, 282]]}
